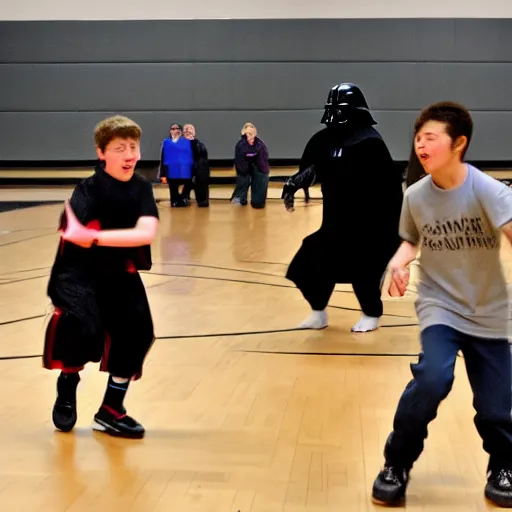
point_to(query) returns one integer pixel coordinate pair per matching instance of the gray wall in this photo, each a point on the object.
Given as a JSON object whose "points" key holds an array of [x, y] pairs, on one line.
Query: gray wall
{"points": [[57, 79]]}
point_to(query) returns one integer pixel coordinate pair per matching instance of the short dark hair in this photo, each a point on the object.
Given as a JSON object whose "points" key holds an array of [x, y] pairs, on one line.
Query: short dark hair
{"points": [[113, 127], [456, 117]]}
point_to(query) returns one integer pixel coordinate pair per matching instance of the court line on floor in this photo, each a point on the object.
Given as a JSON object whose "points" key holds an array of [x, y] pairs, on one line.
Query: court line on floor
{"points": [[206, 335], [215, 267], [349, 354], [14, 281], [201, 265], [19, 320], [26, 240], [264, 262], [258, 283], [252, 333], [24, 271], [161, 274]]}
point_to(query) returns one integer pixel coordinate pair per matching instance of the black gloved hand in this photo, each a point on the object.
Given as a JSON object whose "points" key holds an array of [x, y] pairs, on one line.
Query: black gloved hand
{"points": [[302, 179], [288, 194]]}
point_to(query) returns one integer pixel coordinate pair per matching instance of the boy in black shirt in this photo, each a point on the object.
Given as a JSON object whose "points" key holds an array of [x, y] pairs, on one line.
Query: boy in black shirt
{"points": [[101, 308]]}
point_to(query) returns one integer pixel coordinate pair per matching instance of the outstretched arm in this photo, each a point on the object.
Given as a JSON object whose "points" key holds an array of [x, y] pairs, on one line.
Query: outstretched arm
{"points": [[142, 234], [302, 179], [307, 174]]}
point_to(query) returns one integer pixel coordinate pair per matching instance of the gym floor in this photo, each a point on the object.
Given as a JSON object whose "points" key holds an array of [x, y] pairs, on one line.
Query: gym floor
{"points": [[243, 412]]}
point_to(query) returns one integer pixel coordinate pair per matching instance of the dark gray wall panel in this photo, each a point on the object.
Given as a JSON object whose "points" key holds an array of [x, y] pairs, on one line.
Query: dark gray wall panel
{"points": [[478, 86], [69, 136], [251, 86], [305, 86], [57, 79], [356, 40], [96, 87], [114, 41], [483, 40]]}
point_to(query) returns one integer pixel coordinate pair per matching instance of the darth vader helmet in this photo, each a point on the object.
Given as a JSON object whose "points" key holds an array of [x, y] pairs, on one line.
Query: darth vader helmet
{"points": [[346, 104]]}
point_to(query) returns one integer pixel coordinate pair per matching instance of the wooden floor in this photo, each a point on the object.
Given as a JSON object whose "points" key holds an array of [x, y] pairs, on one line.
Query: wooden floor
{"points": [[243, 413]]}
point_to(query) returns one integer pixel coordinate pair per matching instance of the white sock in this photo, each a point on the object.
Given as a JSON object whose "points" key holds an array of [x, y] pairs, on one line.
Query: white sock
{"points": [[316, 320], [366, 324], [120, 380]]}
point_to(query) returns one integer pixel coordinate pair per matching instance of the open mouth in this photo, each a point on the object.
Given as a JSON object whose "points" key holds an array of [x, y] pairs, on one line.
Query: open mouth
{"points": [[424, 157]]}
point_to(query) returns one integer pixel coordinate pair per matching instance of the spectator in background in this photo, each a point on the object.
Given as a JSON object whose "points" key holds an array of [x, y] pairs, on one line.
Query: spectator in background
{"points": [[201, 168], [252, 168], [176, 162]]}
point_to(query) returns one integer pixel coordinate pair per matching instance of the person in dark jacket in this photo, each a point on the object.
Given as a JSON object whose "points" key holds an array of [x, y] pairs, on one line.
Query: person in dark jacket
{"points": [[200, 170], [252, 168], [362, 200]]}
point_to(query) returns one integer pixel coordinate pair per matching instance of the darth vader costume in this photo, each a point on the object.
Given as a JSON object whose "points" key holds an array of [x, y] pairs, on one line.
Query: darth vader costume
{"points": [[362, 199]]}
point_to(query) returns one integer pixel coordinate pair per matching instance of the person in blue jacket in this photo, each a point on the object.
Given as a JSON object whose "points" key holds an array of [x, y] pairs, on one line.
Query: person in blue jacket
{"points": [[176, 165]]}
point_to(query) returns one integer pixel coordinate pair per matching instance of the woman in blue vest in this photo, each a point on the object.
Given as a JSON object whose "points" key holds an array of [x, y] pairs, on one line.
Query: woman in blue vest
{"points": [[176, 163]]}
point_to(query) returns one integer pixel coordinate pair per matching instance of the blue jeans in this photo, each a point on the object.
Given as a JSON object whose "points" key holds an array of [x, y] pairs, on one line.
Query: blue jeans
{"points": [[489, 369]]}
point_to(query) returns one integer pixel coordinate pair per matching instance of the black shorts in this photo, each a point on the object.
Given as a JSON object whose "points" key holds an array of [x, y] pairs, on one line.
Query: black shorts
{"points": [[105, 319]]}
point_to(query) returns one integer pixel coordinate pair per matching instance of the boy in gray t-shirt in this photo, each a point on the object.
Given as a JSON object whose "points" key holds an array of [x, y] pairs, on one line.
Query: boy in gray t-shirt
{"points": [[456, 215]]}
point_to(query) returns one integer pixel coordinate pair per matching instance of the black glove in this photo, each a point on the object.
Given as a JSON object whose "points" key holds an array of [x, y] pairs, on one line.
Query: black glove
{"points": [[302, 179], [288, 192]]}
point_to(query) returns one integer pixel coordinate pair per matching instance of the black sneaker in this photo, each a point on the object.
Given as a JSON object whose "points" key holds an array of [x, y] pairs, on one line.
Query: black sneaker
{"points": [[116, 424], [499, 487], [390, 486], [64, 414]]}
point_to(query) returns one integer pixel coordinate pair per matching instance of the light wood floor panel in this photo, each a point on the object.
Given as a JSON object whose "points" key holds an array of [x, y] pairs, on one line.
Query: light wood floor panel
{"points": [[256, 422]]}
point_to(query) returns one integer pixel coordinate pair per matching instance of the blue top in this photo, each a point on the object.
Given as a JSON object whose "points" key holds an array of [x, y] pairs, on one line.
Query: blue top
{"points": [[178, 158]]}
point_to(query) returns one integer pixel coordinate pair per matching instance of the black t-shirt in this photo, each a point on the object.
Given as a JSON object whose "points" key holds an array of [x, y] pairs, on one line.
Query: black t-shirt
{"points": [[102, 202]]}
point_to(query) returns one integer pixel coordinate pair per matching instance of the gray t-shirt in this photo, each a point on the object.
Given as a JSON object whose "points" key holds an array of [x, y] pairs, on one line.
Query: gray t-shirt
{"points": [[462, 283]]}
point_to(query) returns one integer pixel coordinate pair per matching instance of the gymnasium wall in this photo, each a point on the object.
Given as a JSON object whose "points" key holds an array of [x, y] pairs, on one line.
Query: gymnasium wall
{"points": [[59, 77]]}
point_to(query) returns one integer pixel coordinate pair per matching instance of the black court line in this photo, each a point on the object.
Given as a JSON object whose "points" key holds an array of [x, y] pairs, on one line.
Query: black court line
{"points": [[246, 271], [11, 206], [10, 231], [345, 354], [11, 358], [25, 239], [226, 334], [252, 333], [264, 262], [18, 320], [215, 267], [23, 271], [238, 270], [14, 281], [346, 308], [161, 274], [213, 335], [251, 282]]}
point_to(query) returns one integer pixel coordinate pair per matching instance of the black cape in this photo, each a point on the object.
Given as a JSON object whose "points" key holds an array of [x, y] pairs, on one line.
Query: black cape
{"points": [[362, 200]]}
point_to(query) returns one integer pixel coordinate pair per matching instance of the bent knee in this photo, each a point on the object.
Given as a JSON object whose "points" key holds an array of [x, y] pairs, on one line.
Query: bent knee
{"points": [[433, 383]]}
